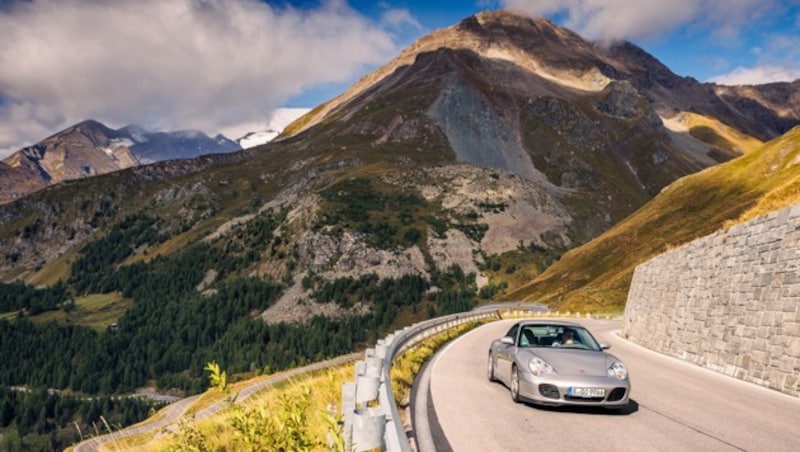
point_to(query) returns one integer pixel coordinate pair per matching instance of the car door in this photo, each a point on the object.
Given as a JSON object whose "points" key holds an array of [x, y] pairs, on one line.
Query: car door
{"points": [[505, 355]]}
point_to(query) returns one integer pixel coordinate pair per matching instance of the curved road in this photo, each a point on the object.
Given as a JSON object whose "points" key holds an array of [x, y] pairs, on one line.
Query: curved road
{"points": [[675, 406]]}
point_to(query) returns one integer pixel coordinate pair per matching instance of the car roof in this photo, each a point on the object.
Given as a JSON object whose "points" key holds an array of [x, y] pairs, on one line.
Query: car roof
{"points": [[549, 322]]}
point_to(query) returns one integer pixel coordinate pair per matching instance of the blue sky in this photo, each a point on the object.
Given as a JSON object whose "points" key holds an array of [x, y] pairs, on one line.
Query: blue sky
{"points": [[226, 65]]}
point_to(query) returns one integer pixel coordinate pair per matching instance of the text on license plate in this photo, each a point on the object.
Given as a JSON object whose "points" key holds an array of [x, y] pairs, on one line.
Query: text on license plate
{"points": [[586, 392]]}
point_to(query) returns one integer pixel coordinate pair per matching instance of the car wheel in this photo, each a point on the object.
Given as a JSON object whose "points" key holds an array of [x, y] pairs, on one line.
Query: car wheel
{"points": [[515, 384], [490, 369]]}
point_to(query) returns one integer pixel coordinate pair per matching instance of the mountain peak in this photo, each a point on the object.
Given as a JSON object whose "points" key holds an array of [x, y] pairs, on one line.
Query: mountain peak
{"points": [[90, 148], [90, 128]]}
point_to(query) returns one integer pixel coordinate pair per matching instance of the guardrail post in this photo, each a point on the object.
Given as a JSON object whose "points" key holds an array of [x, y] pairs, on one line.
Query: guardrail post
{"points": [[380, 350], [361, 368], [369, 425], [374, 366], [348, 409], [367, 388], [368, 379]]}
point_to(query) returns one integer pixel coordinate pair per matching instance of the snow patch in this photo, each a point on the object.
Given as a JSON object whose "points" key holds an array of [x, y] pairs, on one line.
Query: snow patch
{"points": [[282, 117], [253, 139], [278, 120]]}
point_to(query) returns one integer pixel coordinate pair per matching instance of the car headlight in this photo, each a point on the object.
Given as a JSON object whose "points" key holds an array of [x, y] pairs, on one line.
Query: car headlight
{"points": [[618, 370], [540, 367]]}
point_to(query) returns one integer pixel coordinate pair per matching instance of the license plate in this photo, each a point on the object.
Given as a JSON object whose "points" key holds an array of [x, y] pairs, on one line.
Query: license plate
{"points": [[586, 392]]}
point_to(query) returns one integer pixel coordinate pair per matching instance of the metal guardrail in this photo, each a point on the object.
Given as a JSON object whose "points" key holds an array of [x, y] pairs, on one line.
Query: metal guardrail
{"points": [[369, 425]]}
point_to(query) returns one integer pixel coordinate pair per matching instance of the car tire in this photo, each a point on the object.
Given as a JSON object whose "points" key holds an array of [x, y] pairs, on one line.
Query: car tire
{"points": [[490, 369], [514, 386]]}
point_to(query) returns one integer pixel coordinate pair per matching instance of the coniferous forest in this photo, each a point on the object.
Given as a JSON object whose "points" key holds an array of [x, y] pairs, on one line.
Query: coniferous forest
{"points": [[172, 329]]}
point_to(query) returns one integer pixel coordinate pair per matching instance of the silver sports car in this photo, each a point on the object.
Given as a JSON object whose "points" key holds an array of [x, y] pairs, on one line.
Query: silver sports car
{"points": [[557, 363]]}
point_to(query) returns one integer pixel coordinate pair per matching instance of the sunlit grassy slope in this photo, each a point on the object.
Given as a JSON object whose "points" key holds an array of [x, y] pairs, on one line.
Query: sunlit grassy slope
{"points": [[96, 311], [217, 432], [596, 275], [717, 134]]}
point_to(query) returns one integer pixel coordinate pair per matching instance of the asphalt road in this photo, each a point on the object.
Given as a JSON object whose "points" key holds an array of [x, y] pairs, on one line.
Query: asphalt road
{"points": [[674, 406]]}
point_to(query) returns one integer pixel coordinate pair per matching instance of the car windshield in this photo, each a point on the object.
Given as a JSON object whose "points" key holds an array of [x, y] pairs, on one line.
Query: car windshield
{"points": [[557, 336]]}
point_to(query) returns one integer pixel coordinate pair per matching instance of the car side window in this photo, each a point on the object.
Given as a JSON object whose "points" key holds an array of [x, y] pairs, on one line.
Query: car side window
{"points": [[512, 333]]}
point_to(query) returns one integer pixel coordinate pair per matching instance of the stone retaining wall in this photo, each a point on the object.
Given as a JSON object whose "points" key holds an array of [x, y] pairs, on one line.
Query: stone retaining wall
{"points": [[729, 302]]}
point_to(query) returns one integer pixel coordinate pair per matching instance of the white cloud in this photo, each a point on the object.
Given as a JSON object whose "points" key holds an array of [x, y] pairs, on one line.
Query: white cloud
{"points": [[399, 18], [757, 75], [610, 20], [777, 60], [179, 64]]}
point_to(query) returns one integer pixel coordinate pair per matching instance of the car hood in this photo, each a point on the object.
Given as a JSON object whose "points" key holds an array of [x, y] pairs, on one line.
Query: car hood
{"points": [[576, 362]]}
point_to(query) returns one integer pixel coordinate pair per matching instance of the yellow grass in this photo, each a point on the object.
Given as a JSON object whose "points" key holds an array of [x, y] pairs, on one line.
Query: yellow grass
{"points": [[727, 138], [217, 431], [96, 311], [53, 271]]}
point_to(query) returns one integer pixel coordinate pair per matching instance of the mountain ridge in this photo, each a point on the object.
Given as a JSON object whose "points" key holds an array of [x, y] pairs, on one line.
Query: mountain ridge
{"points": [[89, 148], [588, 66]]}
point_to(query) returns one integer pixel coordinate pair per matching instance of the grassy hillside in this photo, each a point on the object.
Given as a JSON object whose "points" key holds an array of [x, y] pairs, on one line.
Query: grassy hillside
{"points": [[722, 138], [596, 276], [308, 398], [96, 311]]}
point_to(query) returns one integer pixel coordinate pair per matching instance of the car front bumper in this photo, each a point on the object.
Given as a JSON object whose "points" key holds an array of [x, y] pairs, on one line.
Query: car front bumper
{"points": [[554, 390]]}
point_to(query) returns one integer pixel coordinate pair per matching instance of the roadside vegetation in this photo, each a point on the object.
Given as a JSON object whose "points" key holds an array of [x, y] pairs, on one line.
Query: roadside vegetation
{"points": [[406, 366], [298, 414]]}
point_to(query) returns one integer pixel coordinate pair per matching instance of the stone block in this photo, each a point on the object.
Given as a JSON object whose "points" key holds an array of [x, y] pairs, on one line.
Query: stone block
{"points": [[790, 278], [775, 379], [791, 385], [791, 291], [793, 348], [791, 329], [787, 364]]}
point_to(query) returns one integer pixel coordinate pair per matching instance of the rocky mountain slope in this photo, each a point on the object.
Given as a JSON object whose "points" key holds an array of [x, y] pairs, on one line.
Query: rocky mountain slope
{"points": [[596, 276], [90, 148], [525, 96]]}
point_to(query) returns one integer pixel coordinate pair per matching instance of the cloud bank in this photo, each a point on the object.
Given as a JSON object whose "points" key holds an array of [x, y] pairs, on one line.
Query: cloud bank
{"points": [[199, 64], [612, 20], [757, 75], [777, 60]]}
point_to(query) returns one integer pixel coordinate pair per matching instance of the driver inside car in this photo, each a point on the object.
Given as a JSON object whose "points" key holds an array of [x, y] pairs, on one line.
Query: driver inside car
{"points": [[565, 338]]}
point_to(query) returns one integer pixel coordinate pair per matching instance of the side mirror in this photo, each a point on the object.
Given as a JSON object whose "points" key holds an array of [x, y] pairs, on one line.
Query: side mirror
{"points": [[605, 346], [507, 340]]}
